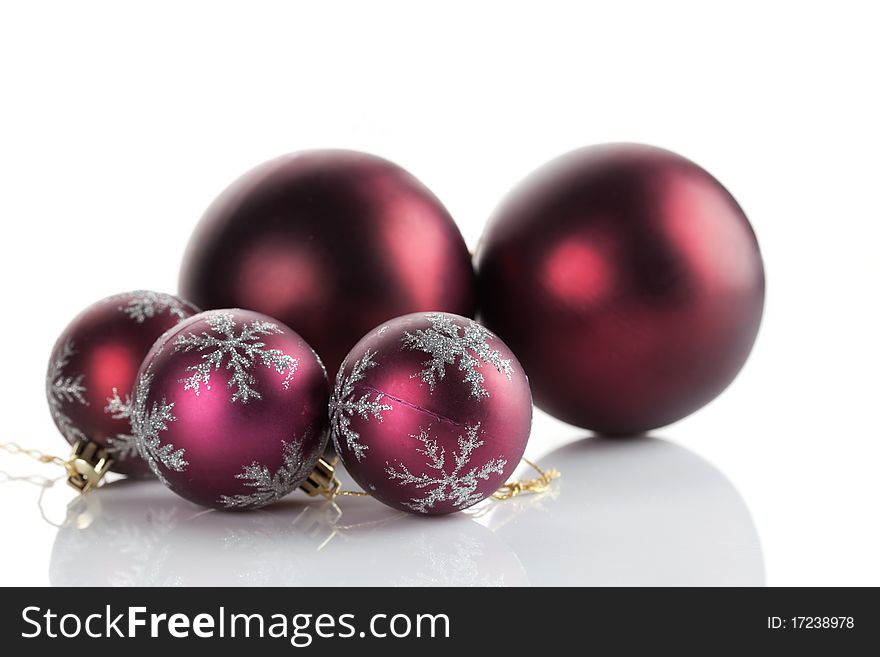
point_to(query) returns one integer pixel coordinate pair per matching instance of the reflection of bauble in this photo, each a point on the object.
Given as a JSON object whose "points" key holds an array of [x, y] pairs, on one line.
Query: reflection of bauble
{"points": [[409, 550], [110, 534], [276, 546], [141, 534], [638, 512]]}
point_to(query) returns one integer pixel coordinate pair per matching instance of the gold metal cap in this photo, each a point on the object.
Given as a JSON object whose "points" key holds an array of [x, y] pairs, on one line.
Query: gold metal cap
{"points": [[322, 480], [87, 465]]}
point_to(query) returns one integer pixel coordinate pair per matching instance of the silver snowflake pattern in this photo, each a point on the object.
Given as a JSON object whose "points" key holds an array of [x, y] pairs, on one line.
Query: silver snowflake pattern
{"points": [[133, 536], [270, 487], [148, 422], [243, 351], [63, 389], [453, 564], [344, 404], [458, 486], [145, 304], [447, 342], [121, 446]]}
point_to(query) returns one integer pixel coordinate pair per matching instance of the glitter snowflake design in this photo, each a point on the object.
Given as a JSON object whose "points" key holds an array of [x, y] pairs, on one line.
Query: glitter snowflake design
{"points": [[121, 446], [148, 422], [344, 405], [447, 342], [63, 389], [134, 536], [242, 350], [145, 304], [455, 565], [271, 487], [458, 486]]}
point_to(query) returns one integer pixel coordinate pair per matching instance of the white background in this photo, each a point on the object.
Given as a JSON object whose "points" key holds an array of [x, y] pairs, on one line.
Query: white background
{"points": [[120, 122]]}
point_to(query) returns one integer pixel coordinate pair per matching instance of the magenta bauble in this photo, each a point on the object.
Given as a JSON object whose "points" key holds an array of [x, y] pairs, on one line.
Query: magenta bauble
{"points": [[332, 243], [93, 366], [430, 413], [230, 409], [629, 283]]}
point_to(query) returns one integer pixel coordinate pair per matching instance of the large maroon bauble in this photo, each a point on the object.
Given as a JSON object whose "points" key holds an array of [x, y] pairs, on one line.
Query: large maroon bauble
{"points": [[230, 409], [93, 366], [332, 243], [430, 413], [628, 281]]}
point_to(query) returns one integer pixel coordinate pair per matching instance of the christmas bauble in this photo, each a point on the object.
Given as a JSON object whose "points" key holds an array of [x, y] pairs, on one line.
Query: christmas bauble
{"points": [[629, 283], [430, 413], [93, 366], [332, 243], [230, 409]]}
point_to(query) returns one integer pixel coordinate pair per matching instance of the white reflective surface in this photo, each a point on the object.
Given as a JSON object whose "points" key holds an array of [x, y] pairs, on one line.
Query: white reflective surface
{"points": [[101, 196], [638, 512]]}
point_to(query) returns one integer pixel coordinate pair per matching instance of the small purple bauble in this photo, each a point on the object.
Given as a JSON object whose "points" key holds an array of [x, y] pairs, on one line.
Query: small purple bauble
{"points": [[93, 367], [430, 413], [230, 409]]}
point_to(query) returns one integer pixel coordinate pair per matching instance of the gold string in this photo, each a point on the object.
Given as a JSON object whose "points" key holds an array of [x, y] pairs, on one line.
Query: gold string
{"points": [[50, 483], [86, 465], [36, 480], [539, 484], [37, 455], [336, 486], [45, 483]]}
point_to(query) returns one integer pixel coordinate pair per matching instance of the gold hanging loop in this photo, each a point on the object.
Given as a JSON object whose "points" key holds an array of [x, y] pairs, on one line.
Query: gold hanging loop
{"points": [[324, 482], [539, 484]]}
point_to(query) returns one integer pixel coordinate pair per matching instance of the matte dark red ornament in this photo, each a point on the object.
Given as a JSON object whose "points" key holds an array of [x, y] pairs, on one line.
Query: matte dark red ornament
{"points": [[230, 409], [629, 283], [430, 413], [332, 243], [93, 366]]}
